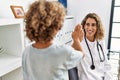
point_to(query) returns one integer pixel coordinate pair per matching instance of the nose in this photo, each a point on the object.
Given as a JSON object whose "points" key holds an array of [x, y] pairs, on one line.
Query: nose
{"points": [[90, 27]]}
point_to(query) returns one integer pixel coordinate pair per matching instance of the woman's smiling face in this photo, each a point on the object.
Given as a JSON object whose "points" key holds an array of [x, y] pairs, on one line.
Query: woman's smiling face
{"points": [[90, 28]]}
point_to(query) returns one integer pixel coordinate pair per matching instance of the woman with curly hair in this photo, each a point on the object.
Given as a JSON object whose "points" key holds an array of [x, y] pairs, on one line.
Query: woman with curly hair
{"points": [[45, 60], [95, 65]]}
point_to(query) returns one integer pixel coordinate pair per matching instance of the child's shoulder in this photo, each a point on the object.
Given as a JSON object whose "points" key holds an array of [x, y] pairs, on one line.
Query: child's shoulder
{"points": [[28, 47], [65, 47]]}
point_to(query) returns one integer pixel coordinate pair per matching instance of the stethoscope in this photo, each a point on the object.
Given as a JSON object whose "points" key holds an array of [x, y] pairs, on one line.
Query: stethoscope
{"points": [[101, 60]]}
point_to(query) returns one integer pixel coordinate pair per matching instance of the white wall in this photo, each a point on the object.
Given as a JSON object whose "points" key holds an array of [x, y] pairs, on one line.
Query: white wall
{"points": [[5, 10], [79, 8]]}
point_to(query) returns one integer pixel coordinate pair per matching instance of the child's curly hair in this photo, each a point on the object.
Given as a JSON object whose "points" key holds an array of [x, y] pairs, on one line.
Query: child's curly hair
{"points": [[42, 20]]}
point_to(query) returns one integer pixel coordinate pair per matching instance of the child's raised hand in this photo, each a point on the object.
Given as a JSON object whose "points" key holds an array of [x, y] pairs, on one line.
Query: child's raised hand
{"points": [[78, 33]]}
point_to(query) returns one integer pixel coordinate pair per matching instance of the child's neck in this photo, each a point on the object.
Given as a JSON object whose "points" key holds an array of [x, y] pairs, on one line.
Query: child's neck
{"points": [[42, 45]]}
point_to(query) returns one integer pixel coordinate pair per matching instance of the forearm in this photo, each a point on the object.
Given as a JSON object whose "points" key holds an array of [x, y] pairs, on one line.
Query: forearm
{"points": [[76, 45]]}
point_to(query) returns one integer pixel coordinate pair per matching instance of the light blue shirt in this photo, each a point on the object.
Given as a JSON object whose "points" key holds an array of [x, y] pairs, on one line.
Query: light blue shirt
{"points": [[51, 63]]}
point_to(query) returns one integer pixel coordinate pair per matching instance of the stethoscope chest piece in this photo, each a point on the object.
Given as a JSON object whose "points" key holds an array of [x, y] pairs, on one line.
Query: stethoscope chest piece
{"points": [[92, 67]]}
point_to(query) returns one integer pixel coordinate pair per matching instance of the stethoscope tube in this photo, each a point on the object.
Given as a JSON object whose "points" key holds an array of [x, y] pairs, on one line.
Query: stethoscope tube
{"points": [[92, 66], [99, 52], [101, 60]]}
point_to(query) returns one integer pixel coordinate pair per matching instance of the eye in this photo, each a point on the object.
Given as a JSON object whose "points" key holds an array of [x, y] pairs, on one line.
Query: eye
{"points": [[93, 24], [87, 24]]}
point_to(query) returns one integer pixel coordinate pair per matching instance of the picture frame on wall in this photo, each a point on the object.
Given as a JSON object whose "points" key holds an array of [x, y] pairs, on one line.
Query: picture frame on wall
{"points": [[18, 11]]}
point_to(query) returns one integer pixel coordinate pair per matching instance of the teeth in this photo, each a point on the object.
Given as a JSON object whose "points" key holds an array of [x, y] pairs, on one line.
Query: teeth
{"points": [[89, 31]]}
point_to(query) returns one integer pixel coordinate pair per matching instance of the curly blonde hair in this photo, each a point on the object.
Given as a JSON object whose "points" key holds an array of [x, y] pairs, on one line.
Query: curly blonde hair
{"points": [[42, 19], [100, 29]]}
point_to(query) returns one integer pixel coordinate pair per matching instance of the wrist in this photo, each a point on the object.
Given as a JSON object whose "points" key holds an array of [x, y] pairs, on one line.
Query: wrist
{"points": [[76, 41]]}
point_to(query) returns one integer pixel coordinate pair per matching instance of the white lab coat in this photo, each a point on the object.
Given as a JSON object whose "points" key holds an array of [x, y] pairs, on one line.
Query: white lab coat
{"points": [[102, 69]]}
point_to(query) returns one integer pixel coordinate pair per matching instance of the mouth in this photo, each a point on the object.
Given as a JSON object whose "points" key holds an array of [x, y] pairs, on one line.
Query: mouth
{"points": [[90, 31]]}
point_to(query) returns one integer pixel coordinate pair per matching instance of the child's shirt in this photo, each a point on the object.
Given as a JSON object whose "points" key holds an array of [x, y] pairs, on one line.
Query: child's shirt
{"points": [[50, 63]]}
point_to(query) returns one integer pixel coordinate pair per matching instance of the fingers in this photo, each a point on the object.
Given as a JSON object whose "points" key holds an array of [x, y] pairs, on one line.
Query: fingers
{"points": [[78, 32], [78, 27]]}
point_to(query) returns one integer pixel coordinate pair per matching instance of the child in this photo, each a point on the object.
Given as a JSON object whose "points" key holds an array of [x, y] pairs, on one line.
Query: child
{"points": [[45, 60]]}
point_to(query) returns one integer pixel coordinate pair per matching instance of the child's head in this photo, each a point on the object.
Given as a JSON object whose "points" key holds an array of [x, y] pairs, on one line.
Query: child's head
{"points": [[43, 19]]}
